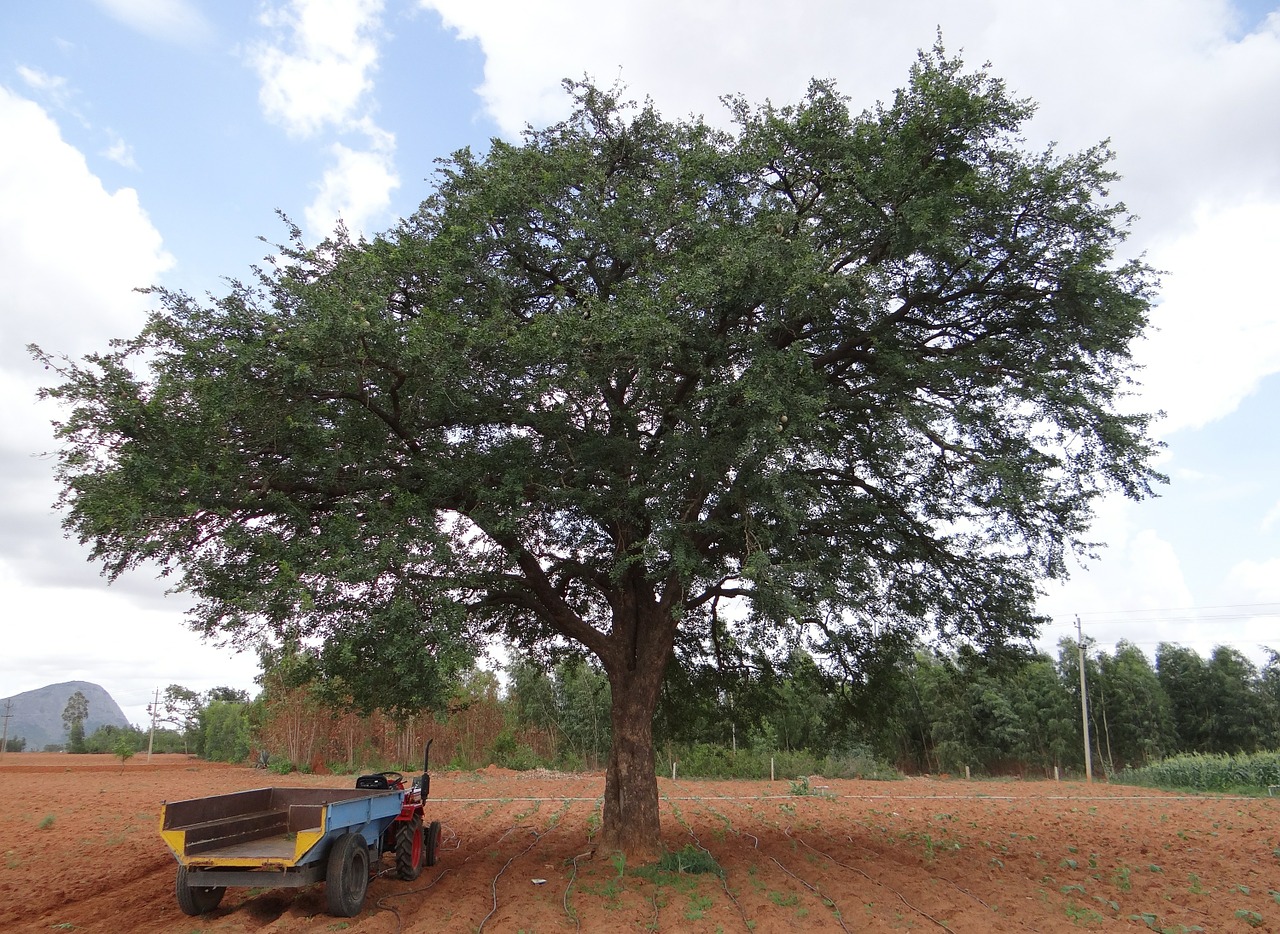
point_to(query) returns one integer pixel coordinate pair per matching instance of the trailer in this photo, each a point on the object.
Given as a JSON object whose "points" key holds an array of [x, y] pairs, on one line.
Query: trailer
{"points": [[289, 837]]}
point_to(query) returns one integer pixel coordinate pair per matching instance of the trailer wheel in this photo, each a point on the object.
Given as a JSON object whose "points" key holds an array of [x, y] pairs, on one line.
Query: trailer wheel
{"points": [[409, 846], [433, 840], [196, 899], [346, 877]]}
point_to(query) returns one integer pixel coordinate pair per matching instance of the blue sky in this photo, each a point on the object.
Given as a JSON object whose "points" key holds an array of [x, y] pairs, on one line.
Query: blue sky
{"points": [[152, 141]]}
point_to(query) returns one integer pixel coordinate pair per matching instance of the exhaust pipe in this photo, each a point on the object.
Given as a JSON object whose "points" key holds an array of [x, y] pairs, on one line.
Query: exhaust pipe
{"points": [[424, 785]]}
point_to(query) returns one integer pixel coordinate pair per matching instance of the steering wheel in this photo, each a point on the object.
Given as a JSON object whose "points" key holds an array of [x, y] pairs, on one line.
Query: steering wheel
{"points": [[393, 778]]}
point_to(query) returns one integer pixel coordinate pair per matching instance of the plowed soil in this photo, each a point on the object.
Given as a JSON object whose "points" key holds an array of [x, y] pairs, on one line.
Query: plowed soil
{"points": [[81, 852]]}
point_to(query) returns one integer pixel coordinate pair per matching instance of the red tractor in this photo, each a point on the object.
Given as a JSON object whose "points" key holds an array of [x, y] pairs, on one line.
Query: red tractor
{"points": [[413, 844]]}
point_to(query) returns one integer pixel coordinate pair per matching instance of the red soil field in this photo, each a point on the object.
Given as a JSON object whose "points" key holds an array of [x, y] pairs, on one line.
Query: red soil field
{"points": [[81, 852]]}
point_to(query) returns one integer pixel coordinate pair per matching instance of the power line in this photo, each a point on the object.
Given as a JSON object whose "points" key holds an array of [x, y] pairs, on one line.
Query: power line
{"points": [[1192, 614], [1184, 609], [1222, 618]]}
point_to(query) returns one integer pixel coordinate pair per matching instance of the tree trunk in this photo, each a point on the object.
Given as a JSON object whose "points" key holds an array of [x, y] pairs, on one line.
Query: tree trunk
{"points": [[642, 641], [631, 780]]}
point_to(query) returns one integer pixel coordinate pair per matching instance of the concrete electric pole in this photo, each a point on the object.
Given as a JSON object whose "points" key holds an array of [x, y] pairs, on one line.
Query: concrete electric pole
{"points": [[1084, 705]]}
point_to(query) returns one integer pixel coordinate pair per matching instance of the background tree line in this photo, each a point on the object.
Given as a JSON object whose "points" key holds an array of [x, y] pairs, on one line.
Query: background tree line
{"points": [[999, 711], [216, 724]]}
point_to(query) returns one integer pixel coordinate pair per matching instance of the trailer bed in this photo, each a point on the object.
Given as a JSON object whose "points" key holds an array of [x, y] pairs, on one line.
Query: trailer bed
{"points": [[271, 828]]}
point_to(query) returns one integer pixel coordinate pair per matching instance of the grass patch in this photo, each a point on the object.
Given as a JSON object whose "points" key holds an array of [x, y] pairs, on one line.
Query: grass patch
{"points": [[691, 859]]}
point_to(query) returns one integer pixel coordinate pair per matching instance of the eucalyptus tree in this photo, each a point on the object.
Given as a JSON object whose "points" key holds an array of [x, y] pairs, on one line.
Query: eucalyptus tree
{"points": [[1187, 684], [631, 381], [1137, 725]]}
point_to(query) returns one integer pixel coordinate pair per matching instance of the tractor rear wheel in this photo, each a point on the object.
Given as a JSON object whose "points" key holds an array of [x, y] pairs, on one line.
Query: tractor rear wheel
{"points": [[432, 841], [409, 847], [196, 899], [346, 876]]}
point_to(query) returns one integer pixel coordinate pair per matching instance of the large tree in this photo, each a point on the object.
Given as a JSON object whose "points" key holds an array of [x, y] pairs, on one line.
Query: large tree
{"points": [[635, 381]]}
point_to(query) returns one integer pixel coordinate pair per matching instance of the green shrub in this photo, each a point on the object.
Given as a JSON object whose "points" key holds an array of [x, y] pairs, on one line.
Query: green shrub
{"points": [[506, 751], [704, 760], [691, 859], [124, 748]]}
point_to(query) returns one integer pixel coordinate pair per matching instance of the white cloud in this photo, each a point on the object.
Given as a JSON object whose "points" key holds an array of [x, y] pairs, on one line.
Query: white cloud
{"points": [[317, 76], [356, 189], [71, 256], [1165, 79], [1186, 98], [177, 21], [1137, 570], [71, 253], [121, 153], [1272, 518], [1257, 581], [323, 76], [55, 86], [102, 635], [1218, 326]]}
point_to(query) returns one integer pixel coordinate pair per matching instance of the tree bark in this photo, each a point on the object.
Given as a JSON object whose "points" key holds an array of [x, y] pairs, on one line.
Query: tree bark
{"points": [[631, 781], [642, 641]]}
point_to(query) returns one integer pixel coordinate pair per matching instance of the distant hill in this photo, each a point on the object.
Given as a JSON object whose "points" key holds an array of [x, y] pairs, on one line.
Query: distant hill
{"points": [[37, 715]]}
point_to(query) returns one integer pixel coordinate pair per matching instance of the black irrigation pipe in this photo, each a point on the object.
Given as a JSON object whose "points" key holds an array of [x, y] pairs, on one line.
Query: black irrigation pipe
{"points": [[957, 886], [920, 911], [554, 822], [827, 900], [877, 882], [724, 883], [381, 905], [494, 885], [577, 925]]}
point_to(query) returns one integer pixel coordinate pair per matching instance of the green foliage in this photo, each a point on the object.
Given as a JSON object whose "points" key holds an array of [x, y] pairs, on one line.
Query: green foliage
{"points": [[124, 749], [1213, 772], [110, 739], [802, 788], [706, 760], [75, 737], [73, 717], [224, 727], [690, 859], [506, 751], [1136, 720], [570, 700], [848, 372], [15, 744]]}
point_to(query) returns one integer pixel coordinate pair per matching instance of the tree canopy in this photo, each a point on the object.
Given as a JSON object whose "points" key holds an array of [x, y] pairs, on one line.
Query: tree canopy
{"points": [[73, 717], [635, 382]]}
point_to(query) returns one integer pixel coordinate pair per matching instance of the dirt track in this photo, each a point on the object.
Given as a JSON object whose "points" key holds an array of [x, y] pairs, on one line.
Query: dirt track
{"points": [[916, 855]]}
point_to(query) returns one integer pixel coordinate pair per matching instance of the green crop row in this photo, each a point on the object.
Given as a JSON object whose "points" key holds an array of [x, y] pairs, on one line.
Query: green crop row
{"points": [[1257, 771]]}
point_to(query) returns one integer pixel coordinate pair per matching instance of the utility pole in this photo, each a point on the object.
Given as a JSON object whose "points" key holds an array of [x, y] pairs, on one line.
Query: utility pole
{"points": [[152, 738], [1084, 705], [4, 743]]}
